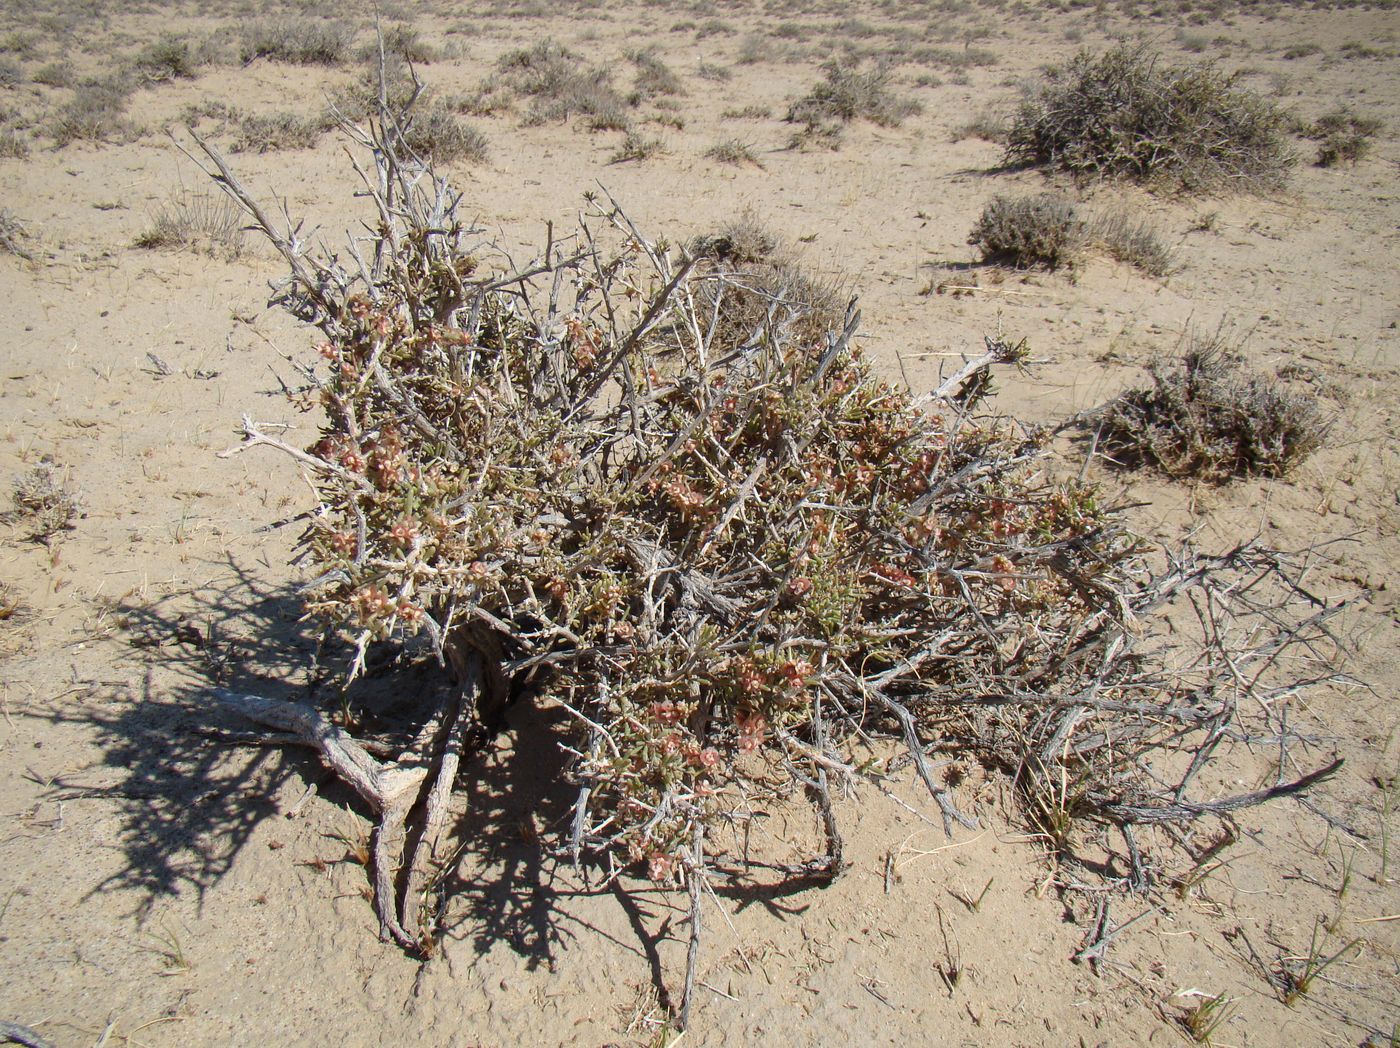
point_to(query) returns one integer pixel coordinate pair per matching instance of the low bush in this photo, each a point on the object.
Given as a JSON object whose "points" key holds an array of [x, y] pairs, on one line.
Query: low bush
{"points": [[1040, 230], [848, 93], [1127, 114], [560, 84], [1135, 241], [733, 151], [654, 77], [636, 146], [43, 504], [299, 41], [1343, 136], [1206, 416], [434, 132], [402, 42], [54, 74], [269, 132], [169, 58], [13, 236], [659, 490], [95, 114]]}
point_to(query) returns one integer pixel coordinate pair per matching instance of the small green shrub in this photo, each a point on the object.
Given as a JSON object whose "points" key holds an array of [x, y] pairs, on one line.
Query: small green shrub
{"points": [[402, 42], [560, 84], [1343, 136], [169, 58], [435, 133], [733, 151], [1126, 114], [269, 132], [299, 41], [95, 114], [1208, 417], [1040, 230], [54, 74], [848, 94], [636, 146]]}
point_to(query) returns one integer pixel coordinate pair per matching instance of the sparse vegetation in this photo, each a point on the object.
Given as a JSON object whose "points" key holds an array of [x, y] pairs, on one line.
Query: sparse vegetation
{"points": [[560, 85], [1135, 241], [636, 146], [848, 93], [44, 505], [1207, 417], [54, 74], [1040, 230], [733, 151], [1127, 114], [299, 41], [1344, 136], [401, 42], [95, 114], [654, 77], [169, 58], [13, 236], [195, 222], [268, 132], [13, 145], [435, 132], [11, 73]]}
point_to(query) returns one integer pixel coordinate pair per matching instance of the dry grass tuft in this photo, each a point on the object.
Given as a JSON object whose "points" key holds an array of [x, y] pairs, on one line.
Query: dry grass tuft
{"points": [[636, 146], [1126, 114], [195, 222], [44, 505], [1208, 417], [1040, 230], [434, 132], [1135, 241], [560, 85], [13, 235], [733, 151], [271, 132], [95, 114], [1343, 136]]}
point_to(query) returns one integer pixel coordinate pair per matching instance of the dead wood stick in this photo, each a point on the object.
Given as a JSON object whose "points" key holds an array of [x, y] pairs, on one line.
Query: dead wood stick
{"points": [[692, 957], [18, 1034]]}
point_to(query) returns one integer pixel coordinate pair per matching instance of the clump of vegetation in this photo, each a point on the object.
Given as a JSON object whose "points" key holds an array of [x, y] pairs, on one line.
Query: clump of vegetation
{"points": [[95, 114], [434, 132], [54, 74], [195, 222], [44, 504], [1127, 114], [170, 58], [1135, 241], [1040, 230], [560, 84], [402, 42], [1344, 136], [660, 489], [13, 145], [654, 76], [1207, 417], [636, 146], [986, 124], [849, 93], [11, 73], [13, 236], [733, 151], [269, 132], [299, 41]]}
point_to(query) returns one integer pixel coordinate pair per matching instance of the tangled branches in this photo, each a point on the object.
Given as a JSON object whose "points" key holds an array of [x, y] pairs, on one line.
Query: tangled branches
{"points": [[659, 489]]}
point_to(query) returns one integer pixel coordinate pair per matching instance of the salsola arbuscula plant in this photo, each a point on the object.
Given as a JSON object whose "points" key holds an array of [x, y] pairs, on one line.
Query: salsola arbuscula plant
{"points": [[1127, 114], [661, 489]]}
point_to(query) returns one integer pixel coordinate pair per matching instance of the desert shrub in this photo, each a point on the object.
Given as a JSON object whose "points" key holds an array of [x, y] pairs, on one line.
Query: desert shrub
{"points": [[710, 71], [435, 132], [734, 559], [300, 41], [20, 44], [1127, 114], [654, 77], [1296, 51], [848, 93], [95, 114], [169, 58], [986, 124], [753, 112], [636, 146], [1206, 416], [1343, 136], [54, 74], [11, 73], [733, 151], [43, 504], [1133, 240], [1040, 230], [560, 84], [13, 236], [402, 42], [195, 222], [268, 132], [13, 145]]}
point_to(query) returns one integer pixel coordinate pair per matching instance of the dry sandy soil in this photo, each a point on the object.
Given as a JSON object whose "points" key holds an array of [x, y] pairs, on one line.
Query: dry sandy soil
{"points": [[160, 888]]}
